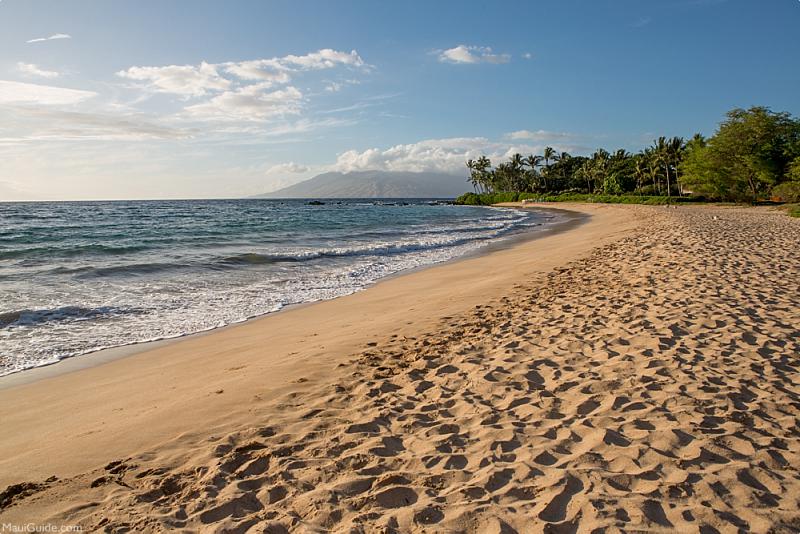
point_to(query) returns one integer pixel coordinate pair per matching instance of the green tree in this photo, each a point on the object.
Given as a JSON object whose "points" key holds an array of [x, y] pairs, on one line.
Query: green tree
{"points": [[599, 168], [675, 149], [473, 175], [533, 162], [640, 171], [516, 174], [662, 155], [750, 153], [794, 170]]}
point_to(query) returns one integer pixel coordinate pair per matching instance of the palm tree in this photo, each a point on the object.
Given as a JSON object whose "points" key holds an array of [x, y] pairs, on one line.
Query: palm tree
{"points": [[516, 161], [563, 158], [503, 177], [484, 165], [515, 170], [661, 150], [585, 172], [599, 165], [675, 148], [533, 162], [651, 166], [640, 170], [549, 153], [621, 155], [473, 175], [480, 176]]}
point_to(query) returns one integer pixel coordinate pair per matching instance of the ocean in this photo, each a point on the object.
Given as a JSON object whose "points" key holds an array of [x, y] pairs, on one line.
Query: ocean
{"points": [[76, 277]]}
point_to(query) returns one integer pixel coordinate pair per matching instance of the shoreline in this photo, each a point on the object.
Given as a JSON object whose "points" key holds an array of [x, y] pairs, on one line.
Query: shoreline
{"points": [[170, 393], [101, 356], [637, 372]]}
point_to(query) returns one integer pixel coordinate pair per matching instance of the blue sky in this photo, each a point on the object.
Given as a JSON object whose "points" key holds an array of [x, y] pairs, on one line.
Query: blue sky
{"points": [[191, 98]]}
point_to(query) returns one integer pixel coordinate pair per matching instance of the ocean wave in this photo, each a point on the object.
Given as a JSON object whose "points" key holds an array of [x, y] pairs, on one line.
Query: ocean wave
{"points": [[69, 251], [164, 277], [132, 269], [435, 240], [63, 313], [381, 249]]}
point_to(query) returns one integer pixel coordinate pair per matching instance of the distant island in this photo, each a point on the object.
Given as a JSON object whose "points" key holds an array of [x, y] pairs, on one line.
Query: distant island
{"points": [[374, 184]]}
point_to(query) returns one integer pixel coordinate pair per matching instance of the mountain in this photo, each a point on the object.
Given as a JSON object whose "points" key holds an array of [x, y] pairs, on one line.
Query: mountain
{"points": [[375, 184]]}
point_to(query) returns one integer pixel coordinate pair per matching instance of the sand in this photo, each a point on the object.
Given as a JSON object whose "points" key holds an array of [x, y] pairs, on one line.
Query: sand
{"points": [[636, 373]]}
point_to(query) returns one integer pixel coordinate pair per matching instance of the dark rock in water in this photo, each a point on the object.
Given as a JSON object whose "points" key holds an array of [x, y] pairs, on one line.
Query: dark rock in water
{"points": [[316, 203]]}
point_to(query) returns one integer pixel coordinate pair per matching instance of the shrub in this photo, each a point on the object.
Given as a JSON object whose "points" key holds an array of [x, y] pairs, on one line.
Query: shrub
{"points": [[611, 185], [469, 199], [487, 199], [787, 191]]}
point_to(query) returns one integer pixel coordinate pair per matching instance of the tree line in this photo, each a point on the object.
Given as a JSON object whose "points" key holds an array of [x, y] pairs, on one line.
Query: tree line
{"points": [[753, 155]]}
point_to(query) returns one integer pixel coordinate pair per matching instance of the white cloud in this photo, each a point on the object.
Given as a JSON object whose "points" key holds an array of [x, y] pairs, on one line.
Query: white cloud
{"points": [[324, 59], [527, 55], [538, 135], [38, 124], [250, 103], [243, 90], [336, 86], [29, 69], [472, 54], [183, 80], [433, 155], [53, 37], [29, 93], [252, 132], [259, 69], [283, 175], [288, 168], [196, 81], [439, 155], [305, 126]]}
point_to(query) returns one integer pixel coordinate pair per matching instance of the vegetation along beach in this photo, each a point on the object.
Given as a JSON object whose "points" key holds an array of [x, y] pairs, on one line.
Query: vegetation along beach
{"points": [[414, 267]]}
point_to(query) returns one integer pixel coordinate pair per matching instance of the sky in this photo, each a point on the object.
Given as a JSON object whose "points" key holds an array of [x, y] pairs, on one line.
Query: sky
{"points": [[119, 99]]}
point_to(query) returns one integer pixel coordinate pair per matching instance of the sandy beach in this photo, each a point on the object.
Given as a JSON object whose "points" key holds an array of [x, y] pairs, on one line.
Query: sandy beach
{"points": [[638, 372]]}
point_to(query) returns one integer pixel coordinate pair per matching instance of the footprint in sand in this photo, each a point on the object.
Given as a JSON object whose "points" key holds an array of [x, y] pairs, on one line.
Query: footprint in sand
{"points": [[556, 509], [397, 497]]}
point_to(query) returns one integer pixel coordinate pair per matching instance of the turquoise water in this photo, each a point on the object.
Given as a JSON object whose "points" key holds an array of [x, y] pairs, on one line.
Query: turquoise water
{"points": [[81, 276]]}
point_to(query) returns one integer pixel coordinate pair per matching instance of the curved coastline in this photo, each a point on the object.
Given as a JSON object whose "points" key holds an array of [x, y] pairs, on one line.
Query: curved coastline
{"points": [[180, 392], [104, 355]]}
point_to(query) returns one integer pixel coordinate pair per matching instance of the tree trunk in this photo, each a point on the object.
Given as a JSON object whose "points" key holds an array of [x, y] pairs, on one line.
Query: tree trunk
{"points": [[752, 185], [678, 179]]}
